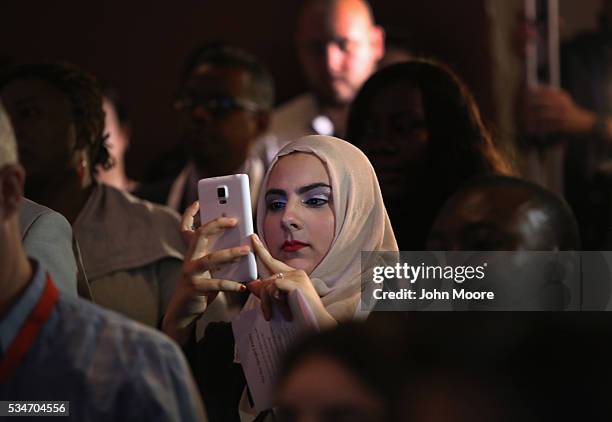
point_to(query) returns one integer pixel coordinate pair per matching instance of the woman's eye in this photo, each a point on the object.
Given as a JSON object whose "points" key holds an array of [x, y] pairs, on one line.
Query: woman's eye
{"points": [[371, 129], [316, 202], [408, 127], [276, 205]]}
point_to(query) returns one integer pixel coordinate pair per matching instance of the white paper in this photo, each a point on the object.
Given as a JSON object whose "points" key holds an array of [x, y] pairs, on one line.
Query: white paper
{"points": [[260, 344]]}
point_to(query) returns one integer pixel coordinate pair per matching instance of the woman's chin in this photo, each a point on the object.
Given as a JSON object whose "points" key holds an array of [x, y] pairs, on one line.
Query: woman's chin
{"points": [[299, 263]]}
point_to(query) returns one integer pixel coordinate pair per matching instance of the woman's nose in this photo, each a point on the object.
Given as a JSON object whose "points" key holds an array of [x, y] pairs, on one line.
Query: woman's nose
{"points": [[383, 144], [290, 220]]}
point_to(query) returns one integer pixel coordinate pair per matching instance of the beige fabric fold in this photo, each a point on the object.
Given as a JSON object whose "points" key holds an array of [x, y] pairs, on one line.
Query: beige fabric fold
{"points": [[132, 253], [117, 231]]}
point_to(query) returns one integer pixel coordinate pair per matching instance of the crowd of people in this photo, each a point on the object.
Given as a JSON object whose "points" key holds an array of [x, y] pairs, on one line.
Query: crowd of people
{"points": [[108, 298]]}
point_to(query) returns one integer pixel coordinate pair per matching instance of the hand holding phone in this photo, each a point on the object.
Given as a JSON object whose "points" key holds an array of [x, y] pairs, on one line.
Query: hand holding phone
{"points": [[194, 292]]}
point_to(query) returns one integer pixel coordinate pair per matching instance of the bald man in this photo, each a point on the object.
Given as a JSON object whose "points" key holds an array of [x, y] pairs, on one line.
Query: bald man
{"points": [[499, 213], [339, 46]]}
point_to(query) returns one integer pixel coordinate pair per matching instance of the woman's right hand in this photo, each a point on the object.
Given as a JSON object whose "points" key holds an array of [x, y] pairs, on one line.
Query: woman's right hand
{"points": [[195, 290]]}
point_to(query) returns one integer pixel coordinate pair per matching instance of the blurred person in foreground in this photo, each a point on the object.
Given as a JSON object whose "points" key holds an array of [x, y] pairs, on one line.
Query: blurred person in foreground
{"points": [[508, 366], [58, 348], [385, 370], [450, 367]]}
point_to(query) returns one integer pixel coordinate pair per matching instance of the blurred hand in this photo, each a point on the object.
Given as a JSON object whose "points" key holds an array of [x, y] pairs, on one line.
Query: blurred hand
{"points": [[195, 290], [188, 223], [552, 110], [273, 290]]}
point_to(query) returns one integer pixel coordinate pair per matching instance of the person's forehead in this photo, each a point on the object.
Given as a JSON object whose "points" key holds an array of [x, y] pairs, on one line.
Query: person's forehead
{"points": [[397, 95], [494, 206], [109, 109], [507, 211], [489, 202], [341, 386], [296, 170], [348, 20], [219, 79]]}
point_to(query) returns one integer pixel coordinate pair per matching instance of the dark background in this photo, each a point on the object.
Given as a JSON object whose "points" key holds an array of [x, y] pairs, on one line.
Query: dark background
{"points": [[139, 47]]}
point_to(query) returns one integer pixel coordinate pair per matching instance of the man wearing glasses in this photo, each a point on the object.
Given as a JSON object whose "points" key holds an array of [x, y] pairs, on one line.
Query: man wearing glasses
{"points": [[224, 105]]}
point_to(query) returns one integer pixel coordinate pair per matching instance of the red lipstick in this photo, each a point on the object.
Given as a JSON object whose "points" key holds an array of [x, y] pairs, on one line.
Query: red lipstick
{"points": [[293, 245]]}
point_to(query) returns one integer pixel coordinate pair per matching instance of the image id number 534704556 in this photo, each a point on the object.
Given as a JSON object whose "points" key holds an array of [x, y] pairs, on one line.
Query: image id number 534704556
{"points": [[34, 408]]}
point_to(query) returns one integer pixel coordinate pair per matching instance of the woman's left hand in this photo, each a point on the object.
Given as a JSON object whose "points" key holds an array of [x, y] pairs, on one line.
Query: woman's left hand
{"points": [[273, 290]]}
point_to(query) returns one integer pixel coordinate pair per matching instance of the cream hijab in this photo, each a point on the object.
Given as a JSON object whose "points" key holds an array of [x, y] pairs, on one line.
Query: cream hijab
{"points": [[362, 223]]}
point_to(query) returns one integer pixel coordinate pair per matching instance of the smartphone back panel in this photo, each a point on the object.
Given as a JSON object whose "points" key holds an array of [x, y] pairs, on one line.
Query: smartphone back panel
{"points": [[229, 196]]}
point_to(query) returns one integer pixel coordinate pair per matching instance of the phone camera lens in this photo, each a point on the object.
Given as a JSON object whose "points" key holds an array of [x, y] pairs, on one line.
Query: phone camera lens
{"points": [[222, 194]]}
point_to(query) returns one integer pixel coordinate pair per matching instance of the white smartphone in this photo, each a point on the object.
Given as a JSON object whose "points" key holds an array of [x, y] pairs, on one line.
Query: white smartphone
{"points": [[230, 196]]}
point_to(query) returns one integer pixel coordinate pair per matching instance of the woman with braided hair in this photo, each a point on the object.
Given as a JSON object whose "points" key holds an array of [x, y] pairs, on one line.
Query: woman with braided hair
{"points": [[131, 250]]}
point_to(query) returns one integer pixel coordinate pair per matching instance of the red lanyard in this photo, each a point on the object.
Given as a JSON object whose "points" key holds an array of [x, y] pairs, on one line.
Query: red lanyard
{"points": [[29, 331]]}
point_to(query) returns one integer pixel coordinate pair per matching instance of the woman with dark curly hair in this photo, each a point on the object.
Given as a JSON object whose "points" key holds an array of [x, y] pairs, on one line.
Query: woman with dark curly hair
{"points": [[422, 130], [131, 249]]}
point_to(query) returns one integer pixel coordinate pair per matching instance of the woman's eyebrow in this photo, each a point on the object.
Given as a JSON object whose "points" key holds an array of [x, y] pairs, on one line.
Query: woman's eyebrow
{"points": [[276, 192], [312, 186]]}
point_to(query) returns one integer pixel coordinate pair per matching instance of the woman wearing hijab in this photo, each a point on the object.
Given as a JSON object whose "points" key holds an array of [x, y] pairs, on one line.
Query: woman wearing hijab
{"points": [[321, 207]]}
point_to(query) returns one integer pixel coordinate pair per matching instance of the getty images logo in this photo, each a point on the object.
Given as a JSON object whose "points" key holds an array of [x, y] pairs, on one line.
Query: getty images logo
{"points": [[414, 273]]}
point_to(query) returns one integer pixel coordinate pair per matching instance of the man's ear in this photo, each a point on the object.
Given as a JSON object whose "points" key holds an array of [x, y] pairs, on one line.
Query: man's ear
{"points": [[559, 284], [126, 128], [378, 41], [12, 177]]}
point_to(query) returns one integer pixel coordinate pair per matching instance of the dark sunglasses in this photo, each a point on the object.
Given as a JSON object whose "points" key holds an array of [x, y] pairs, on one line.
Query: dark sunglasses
{"points": [[217, 105]]}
